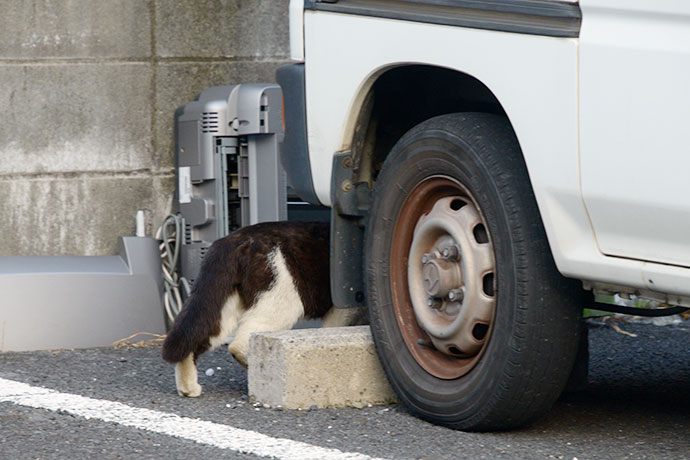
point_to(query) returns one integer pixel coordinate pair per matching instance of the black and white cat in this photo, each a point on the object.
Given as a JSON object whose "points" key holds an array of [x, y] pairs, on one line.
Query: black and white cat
{"points": [[261, 278]]}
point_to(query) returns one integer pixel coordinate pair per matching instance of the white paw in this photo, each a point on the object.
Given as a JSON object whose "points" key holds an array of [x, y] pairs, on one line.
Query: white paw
{"points": [[239, 351], [186, 378], [240, 358], [190, 391]]}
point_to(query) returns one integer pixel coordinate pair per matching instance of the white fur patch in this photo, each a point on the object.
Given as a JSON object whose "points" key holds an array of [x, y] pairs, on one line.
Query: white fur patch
{"points": [[278, 308], [229, 318], [340, 317]]}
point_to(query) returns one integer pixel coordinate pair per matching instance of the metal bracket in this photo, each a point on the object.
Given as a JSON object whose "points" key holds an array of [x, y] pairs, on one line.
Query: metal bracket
{"points": [[348, 214]]}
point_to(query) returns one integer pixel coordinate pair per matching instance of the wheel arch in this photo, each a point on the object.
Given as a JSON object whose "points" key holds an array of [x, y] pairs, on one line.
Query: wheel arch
{"points": [[397, 98]]}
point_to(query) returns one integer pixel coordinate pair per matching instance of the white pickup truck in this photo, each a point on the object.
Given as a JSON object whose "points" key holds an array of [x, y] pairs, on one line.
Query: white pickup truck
{"points": [[489, 165]]}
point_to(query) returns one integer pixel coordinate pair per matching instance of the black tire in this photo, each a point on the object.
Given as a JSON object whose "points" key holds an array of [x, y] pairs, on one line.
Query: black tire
{"points": [[529, 350], [579, 376]]}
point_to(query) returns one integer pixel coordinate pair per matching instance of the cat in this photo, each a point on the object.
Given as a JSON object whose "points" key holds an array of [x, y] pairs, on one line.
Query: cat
{"points": [[260, 278]]}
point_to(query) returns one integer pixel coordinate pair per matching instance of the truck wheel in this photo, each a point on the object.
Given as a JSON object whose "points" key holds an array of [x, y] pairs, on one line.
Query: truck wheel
{"points": [[473, 324]]}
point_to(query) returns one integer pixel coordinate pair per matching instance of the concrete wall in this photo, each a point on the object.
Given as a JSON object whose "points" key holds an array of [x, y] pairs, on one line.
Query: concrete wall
{"points": [[88, 91]]}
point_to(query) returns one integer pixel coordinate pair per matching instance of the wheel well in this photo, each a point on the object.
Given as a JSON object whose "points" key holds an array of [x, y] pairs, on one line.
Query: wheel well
{"points": [[403, 97], [398, 100]]}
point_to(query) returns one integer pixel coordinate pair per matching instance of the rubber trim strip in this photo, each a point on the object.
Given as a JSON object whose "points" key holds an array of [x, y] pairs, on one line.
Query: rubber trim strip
{"points": [[294, 153], [533, 17]]}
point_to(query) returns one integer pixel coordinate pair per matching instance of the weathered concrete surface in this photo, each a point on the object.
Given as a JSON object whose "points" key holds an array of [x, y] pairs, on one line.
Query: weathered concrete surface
{"points": [[75, 216], [161, 202], [40, 29], [227, 28], [88, 90], [326, 367], [70, 118]]}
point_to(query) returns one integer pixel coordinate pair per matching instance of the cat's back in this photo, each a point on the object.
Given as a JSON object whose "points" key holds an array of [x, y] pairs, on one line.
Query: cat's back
{"points": [[308, 237], [304, 247]]}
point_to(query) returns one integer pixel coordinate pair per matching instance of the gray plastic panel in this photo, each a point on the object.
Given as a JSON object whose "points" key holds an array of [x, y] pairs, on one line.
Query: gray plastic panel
{"points": [[75, 302], [266, 181], [189, 154], [62, 265]]}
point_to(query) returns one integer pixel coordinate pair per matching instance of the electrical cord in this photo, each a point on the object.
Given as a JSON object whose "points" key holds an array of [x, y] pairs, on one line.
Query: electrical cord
{"points": [[177, 288], [636, 311]]}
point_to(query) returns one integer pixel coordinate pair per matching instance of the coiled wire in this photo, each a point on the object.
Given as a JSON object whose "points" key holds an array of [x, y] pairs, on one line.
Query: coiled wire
{"points": [[177, 288]]}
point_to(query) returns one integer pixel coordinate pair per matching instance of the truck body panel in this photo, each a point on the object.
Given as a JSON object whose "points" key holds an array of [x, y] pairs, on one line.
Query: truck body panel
{"points": [[579, 142], [634, 114]]}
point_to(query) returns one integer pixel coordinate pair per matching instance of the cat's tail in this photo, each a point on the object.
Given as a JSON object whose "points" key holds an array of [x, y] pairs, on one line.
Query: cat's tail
{"points": [[186, 335], [200, 317]]}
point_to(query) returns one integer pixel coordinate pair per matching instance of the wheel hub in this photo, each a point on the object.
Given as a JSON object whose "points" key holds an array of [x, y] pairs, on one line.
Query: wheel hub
{"points": [[447, 265], [440, 275]]}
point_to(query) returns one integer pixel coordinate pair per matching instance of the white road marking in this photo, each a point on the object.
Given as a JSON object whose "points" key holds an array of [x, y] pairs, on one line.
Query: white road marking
{"points": [[203, 432]]}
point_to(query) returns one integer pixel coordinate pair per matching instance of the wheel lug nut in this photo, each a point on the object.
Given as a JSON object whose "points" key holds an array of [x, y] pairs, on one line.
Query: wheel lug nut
{"points": [[456, 295], [434, 303], [451, 252], [426, 258]]}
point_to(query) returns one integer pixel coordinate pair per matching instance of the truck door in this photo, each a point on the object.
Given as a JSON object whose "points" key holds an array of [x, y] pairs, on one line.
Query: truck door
{"points": [[635, 127]]}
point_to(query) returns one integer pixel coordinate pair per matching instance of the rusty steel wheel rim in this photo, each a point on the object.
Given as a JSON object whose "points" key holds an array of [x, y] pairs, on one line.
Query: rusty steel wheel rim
{"points": [[443, 277]]}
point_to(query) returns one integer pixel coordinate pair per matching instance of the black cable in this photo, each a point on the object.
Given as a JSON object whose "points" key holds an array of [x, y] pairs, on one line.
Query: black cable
{"points": [[639, 311]]}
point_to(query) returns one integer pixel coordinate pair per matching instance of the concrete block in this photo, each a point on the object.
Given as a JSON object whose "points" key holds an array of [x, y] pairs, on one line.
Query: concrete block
{"points": [[162, 201], [222, 28], [71, 118], [179, 83], [327, 367], [40, 29], [70, 216]]}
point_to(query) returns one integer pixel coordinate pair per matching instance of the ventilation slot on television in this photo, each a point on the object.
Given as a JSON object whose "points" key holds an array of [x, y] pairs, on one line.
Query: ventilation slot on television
{"points": [[187, 234], [209, 122]]}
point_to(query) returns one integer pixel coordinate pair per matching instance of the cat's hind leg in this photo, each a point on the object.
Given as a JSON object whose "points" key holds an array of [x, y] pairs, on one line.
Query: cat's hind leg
{"points": [[276, 309], [339, 317], [264, 317], [186, 377]]}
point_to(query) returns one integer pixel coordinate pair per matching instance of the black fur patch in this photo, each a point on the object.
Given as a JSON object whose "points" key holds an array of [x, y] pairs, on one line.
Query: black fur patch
{"points": [[239, 262]]}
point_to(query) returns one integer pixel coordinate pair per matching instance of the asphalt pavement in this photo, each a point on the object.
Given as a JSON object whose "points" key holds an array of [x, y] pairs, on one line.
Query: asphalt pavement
{"points": [[636, 406]]}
